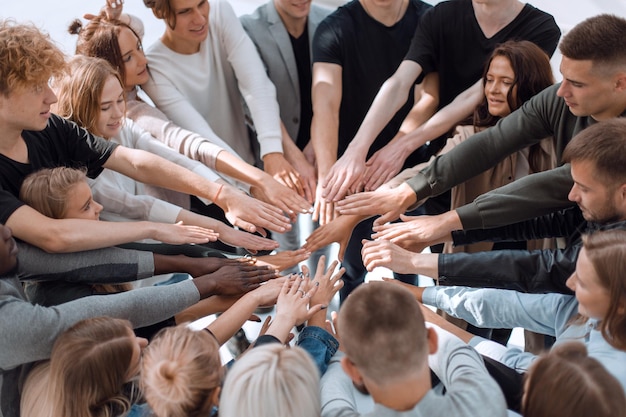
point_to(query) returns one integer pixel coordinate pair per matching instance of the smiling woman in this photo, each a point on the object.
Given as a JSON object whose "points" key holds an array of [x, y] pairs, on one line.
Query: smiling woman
{"points": [[515, 71]]}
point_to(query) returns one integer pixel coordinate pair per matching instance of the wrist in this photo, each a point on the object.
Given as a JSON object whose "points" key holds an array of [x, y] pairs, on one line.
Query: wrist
{"points": [[217, 194], [451, 221], [205, 286], [406, 196]]}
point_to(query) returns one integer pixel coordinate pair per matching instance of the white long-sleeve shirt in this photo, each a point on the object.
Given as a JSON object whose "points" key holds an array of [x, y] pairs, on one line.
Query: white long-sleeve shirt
{"points": [[124, 198], [202, 92]]}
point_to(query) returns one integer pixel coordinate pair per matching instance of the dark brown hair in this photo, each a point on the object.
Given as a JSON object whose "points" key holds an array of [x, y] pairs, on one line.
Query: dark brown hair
{"points": [[533, 73], [162, 10], [604, 145], [599, 39], [100, 38]]}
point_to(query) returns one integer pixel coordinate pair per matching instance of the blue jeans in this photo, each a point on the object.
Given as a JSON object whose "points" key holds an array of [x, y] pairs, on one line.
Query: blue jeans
{"points": [[320, 344]]}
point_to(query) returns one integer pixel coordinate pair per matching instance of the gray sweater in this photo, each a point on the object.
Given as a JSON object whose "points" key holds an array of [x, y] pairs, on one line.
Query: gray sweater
{"points": [[98, 266], [470, 390], [29, 331], [542, 116]]}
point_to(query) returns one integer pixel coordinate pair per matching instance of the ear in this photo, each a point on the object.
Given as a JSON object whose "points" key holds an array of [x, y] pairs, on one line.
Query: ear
{"points": [[621, 196], [215, 396], [433, 341], [620, 82], [351, 370]]}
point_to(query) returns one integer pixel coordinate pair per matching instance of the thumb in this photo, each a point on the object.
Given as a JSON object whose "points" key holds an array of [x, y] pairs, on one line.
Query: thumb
{"points": [[385, 218], [406, 218], [314, 310], [243, 225], [342, 250]]}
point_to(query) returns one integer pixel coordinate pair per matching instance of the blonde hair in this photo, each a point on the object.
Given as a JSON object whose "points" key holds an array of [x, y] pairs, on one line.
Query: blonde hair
{"points": [[582, 385], [34, 401], [80, 91], [46, 190], [89, 368], [28, 57], [272, 381], [181, 369]]}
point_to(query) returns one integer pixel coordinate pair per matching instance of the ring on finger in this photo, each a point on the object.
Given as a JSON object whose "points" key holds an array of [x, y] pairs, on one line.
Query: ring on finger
{"points": [[302, 291]]}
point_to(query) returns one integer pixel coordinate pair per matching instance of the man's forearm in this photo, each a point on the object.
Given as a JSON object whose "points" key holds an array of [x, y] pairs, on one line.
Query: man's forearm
{"points": [[531, 196]]}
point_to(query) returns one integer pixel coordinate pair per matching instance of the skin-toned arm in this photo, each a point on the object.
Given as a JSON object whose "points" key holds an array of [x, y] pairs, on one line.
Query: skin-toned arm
{"points": [[390, 98], [326, 96], [327, 286], [377, 253], [390, 203], [264, 187], [231, 320], [305, 170], [385, 163], [74, 235], [434, 318], [429, 315], [277, 166], [339, 230], [416, 232], [446, 118], [292, 308], [241, 210], [226, 233]]}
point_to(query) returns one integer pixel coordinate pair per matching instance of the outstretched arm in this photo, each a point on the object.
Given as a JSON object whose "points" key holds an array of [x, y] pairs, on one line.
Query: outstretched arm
{"points": [[377, 253], [231, 320], [74, 235], [388, 161], [439, 124], [326, 95], [416, 232], [339, 230], [241, 210], [348, 172]]}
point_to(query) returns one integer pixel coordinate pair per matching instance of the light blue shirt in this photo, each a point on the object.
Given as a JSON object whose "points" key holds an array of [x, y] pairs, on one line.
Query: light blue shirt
{"points": [[550, 314]]}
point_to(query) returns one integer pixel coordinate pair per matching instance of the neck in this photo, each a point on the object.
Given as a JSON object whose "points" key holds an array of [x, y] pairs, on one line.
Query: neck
{"points": [[610, 113], [404, 394], [389, 14], [493, 15], [178, 45], [13, 146]]}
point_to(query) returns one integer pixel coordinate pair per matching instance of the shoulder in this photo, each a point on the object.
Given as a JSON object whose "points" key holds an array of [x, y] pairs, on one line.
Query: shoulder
{"points": [[420, 6], [446, 8], [318, 13], [257, 17], [530, 11], [341, 19], [221, 8]]}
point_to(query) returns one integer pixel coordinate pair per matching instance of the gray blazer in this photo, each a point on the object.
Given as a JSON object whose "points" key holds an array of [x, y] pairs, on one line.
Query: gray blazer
{"points": [[271, 39]]}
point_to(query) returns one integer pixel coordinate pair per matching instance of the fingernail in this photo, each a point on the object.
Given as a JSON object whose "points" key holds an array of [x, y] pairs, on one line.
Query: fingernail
{"points": [[324, 307], [317, 284]]}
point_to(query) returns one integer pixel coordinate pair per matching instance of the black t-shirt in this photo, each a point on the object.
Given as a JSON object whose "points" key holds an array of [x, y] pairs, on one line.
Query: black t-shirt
{"points": [[450, 41], [302, 54], [61, 143], [369, 53]]}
